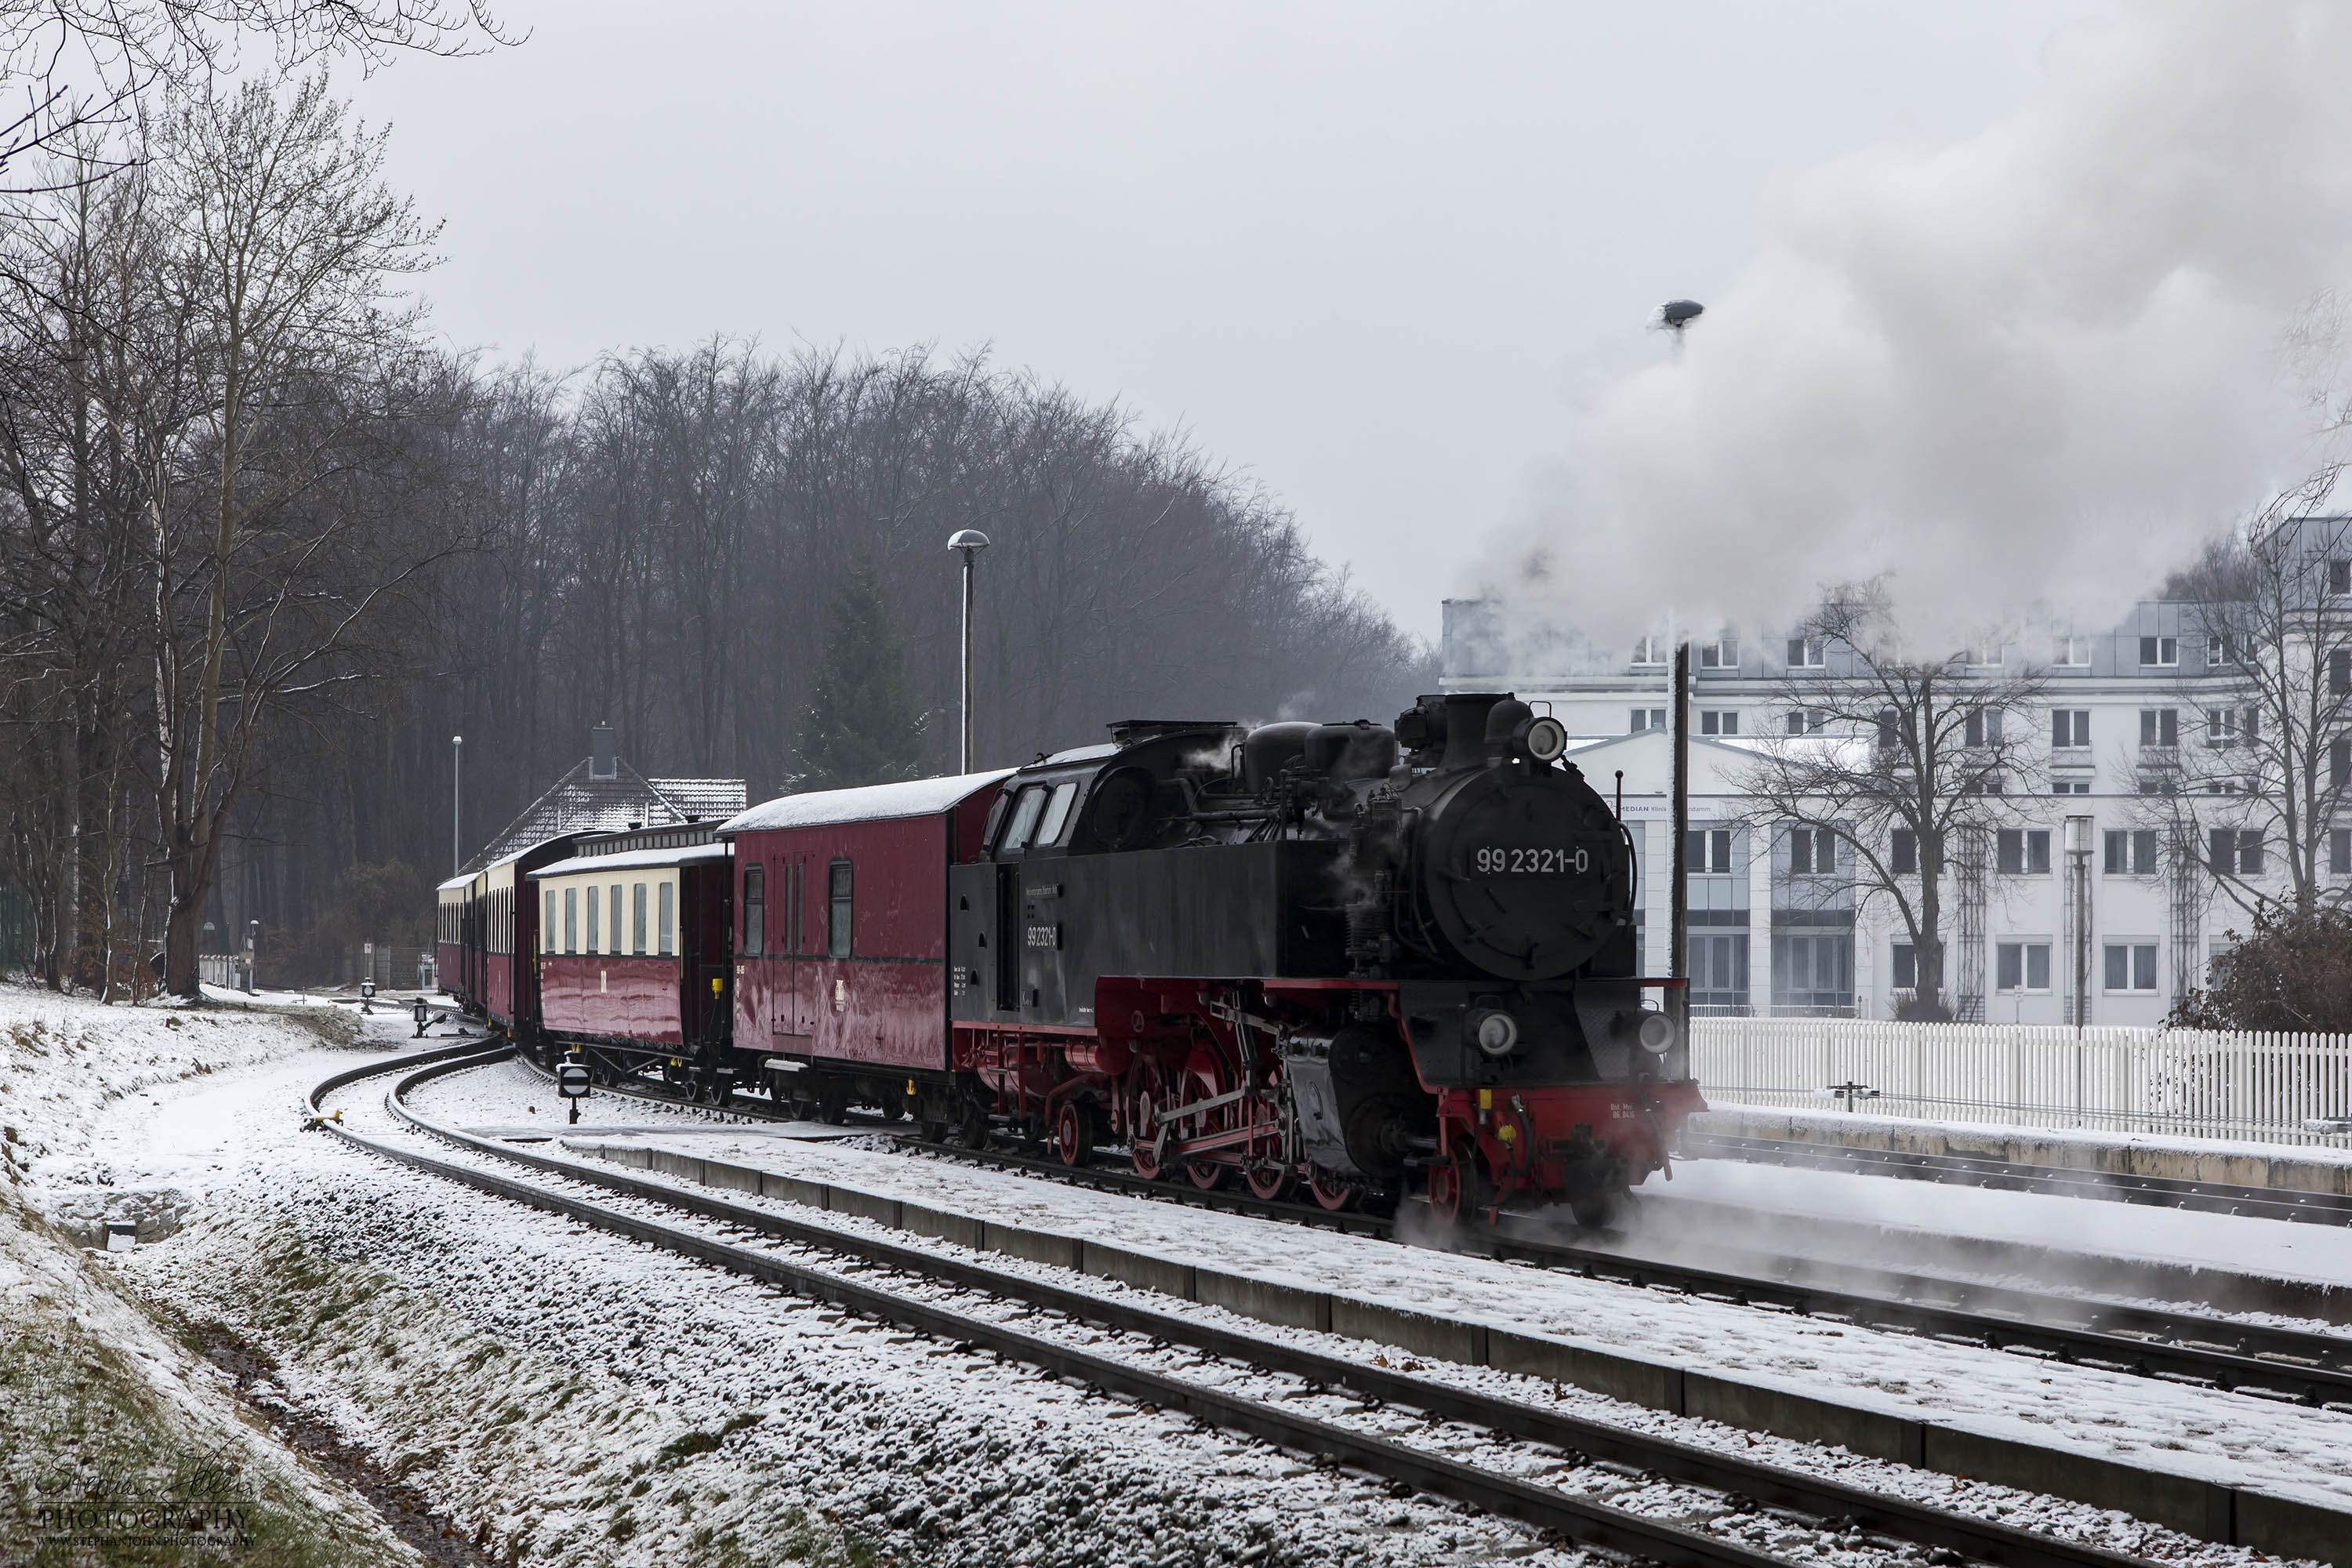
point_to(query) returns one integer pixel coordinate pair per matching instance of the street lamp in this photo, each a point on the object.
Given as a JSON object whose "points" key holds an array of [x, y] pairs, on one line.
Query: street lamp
{"points": [[971, 542], [457, 778]]}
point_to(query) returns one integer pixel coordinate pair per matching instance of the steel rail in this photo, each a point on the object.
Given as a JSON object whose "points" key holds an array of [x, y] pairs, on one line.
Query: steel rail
{"points": [[1978, 1171], [1825, 1503], [2313, 1369]]}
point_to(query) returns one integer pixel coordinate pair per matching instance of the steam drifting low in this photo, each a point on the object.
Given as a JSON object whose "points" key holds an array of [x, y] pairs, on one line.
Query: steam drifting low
{"points": [[2040, 364]]}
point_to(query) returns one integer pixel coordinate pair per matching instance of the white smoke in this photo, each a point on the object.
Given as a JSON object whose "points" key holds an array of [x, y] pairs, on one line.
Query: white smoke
{"points": [[2040, 364]]}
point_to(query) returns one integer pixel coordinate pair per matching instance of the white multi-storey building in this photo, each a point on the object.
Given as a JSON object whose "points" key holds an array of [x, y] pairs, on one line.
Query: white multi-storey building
{"points": [[1779, 923]]}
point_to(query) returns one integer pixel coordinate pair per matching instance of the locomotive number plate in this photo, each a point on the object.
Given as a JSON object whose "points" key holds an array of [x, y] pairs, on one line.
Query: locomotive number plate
{"points": [[1530, 860]]}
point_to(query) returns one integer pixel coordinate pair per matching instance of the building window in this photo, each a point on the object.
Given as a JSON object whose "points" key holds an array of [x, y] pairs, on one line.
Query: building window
{"points": [[1707, 852], [1719, 972], [755, 909], [1982, 727], [2130, 853], [2022, 851], [2228, 726], [2070, 727], [1721, 654], [1905, 967], [1982, 658], [2070, 653], [2220, 649], [2130, 965], [2234, 851], [2339, 576], [2339, 851], [1645, 651], [2339, 671], [2021, 966], [1812, 971], [2160, 726], [2070, 786], [838, 909], [1807, 653], [1800, 722], [1717, 722], [2159, 652], [1906, 852], [2339, 764], [1891, 728], [668, 918], [1812, 851], [638, 919], [1647, 719]]}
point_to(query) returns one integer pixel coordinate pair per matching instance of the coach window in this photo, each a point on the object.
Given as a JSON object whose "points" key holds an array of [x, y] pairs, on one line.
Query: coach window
{"points": [[572, 919], [638, 917], [755, 908], [669, 911], [1057, 814], [593, 927], [838, 909], [1025, 819], [615, 902], [547, 927]]}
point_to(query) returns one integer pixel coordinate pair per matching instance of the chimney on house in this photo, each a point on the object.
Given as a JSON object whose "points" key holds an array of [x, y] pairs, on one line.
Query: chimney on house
{"points": [[601, 762]]}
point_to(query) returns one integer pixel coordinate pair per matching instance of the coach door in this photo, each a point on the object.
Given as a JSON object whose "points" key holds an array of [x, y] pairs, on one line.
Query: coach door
{"points": [[794, 1023]]}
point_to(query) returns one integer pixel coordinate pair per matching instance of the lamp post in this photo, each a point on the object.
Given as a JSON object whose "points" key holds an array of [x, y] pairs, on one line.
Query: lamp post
{"points": [[457, 779], [971, 542]]}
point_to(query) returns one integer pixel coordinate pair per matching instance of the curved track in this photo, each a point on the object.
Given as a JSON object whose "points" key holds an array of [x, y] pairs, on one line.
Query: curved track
{"points": [[2183, 1346], [1835, 1509]]}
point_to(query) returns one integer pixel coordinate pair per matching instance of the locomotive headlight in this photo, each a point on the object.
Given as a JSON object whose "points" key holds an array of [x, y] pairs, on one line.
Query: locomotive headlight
{"points": [[1654, 1033], [1546, 739], [1495, 1033]]}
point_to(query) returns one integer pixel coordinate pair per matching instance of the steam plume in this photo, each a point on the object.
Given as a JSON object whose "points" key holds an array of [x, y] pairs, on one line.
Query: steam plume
{"points": [[2042, 364]]}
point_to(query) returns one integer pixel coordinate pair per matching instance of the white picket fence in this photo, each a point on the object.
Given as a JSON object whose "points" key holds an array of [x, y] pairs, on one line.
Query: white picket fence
{"points": [[2250, 1086]]}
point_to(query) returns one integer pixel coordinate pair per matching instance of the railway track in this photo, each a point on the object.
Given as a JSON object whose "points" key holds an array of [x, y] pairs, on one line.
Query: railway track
{"points": [[1967, 1170], [2290, 1364], [1849, 1516]]}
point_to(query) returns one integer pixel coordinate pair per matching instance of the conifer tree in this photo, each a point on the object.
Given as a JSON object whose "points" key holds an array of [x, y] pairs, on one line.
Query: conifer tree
{"points": [[862, 727]]}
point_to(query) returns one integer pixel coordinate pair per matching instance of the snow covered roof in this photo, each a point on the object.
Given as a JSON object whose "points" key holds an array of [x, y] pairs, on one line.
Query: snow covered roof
{"points": [[1086, 753], [581, 803], [457, 883], [634, 859], [873, 803]]}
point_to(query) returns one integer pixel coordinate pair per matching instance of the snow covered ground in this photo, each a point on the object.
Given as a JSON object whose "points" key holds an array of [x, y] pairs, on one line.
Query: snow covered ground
{"points": [[107, 1413], [2240, 1439], [2270, 1247]]}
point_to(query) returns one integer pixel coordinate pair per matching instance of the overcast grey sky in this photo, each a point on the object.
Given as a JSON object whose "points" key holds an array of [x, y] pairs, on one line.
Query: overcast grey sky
{"points": [[1368, 253]]}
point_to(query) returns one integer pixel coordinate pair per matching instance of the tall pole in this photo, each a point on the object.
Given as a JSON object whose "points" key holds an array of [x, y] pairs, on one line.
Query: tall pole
{"points": [[1678, 921], [971, 542], [456, 781], [2078, 858]]}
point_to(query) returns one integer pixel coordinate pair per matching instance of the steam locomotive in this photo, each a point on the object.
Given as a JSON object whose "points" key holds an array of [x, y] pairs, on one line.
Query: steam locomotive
{"points": [[1365, 961]]}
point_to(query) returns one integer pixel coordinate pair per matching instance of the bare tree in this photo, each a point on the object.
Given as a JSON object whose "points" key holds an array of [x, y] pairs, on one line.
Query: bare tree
{"points": [[2256, 787], [74, 67], [288, 249], [1898, 759]]}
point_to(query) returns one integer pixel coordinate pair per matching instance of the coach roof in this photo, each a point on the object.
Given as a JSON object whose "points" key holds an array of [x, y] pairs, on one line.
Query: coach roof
{"points": [[873, 803], [633, 860]]}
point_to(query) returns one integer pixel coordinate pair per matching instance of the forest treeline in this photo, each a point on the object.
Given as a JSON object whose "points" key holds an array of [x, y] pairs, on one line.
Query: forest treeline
{"points": [[264, 547]]}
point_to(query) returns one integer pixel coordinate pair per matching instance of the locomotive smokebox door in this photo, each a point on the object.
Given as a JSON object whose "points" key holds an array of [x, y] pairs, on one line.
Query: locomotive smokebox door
{"points": [[572, 1083]]}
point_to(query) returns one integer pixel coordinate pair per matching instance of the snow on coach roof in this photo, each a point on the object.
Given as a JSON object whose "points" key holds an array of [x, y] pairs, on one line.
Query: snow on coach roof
{"points": [[873, 803], [634, 859]]}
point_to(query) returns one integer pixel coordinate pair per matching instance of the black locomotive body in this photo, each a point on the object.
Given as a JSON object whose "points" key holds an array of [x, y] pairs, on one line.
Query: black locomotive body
{"points": [[1339, 952]]}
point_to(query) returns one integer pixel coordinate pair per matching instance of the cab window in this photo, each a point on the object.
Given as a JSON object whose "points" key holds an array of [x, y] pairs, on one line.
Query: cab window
{"points": [[1025, 818], [1057, 813]]}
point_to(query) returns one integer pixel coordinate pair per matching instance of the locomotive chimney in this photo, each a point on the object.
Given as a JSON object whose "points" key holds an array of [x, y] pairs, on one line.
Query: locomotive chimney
{"points": [[601, 764]]}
